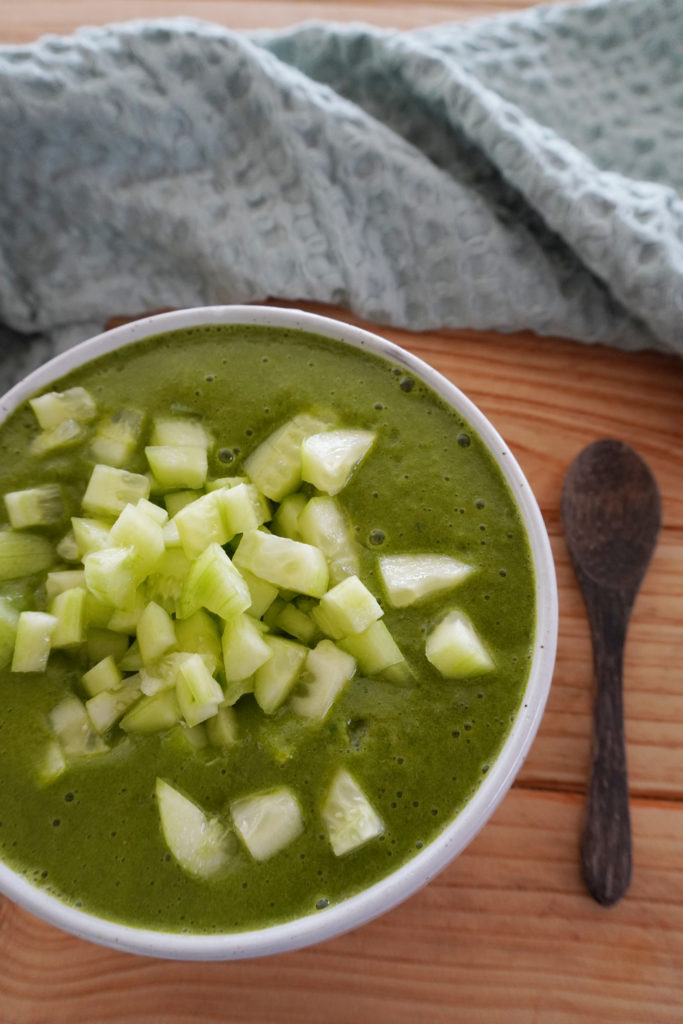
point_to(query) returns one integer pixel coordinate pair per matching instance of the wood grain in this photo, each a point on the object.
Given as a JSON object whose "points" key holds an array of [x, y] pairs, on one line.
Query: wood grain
{"points": [[507, 933]]}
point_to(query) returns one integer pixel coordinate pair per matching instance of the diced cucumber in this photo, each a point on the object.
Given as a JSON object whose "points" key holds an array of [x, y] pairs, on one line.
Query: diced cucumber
{"points": [[104, 675], [347, 608], [411, 578], [117, 436], [455, 649], [175, 500], [286, 518], [23, 554], [179, 431], [67, 548], [90, 534], [261, 592], [200, 634], [323, 524], [267, 822], [155, 633], [131, 660], [201, 845], [36, 506], [64, 435], [298, 624], [68, 607], [110, 575], [275, 679], [286, 563], [233, 691], [222, 729], [125, 620], [9, 617], [349, 817], [214, 583], [54, 407], [33, 641], [374, 649], [63, 579], [275, 466], [178, 466], [52, 764], [327, 670], [73, 729], [201, 522], [140, 534], [153, 714], [165, 583], [238, 511], [154, 511], [110, 489], [97, 611], [107, 706], [244, 648], [101, 642], [328, 460], [197, 691]]}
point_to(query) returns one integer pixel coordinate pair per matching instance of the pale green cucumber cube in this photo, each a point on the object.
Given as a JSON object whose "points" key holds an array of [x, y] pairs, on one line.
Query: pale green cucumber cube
{"points": [[222, 730], [274, 680], [225, 481], [105, 675], [198, 693], [52, 764], [23, 554], [107, 706], [90, 534], [140, 534], [154, 511], [347, 608], [374, 649], [63, 579], [261, 592], [275, 466], [171, 535], [65, 435], [175, 500], [110, 575], [181, 466], [131, 660], [68, 607], [155, 633], [323, 524], [153, 714], [117, 436], [54, 407], [214, 583], [102, 642], [200, 634], [349, 817], [288, 564], [33, 641], [97, 611], [73, 729], [180, 431], [237, 510], [35, 506], [67, 548], [326, 672], [286, 518], [165, 583], [110, 489], [244, 648], [201, 845], [125, 620], [408, 579], [9, 617], [267, 822], [278, 605], [298, 624], [237, 689], [201, 523], [328, 460], [456, 650]]}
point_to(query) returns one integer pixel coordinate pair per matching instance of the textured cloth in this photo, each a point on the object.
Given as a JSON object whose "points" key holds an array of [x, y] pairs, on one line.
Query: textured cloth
{"points": [[521, 171]]}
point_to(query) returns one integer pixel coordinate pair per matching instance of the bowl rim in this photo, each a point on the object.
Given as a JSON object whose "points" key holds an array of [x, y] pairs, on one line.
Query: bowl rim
{"points": [[421, 868]]}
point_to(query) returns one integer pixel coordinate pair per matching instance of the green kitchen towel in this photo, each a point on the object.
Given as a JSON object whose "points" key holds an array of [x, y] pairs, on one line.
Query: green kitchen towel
{"points": [[520, 171]]}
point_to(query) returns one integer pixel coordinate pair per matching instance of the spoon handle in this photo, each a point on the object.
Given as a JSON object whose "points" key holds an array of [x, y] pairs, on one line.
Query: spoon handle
{"points": [[606, 859]]}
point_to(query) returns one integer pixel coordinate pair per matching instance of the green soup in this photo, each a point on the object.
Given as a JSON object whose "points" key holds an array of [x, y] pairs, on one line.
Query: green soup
{"points": [[419, 749]]}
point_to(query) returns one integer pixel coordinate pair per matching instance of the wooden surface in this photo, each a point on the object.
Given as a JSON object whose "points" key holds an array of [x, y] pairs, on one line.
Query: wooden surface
{"points": [[507, 932]]}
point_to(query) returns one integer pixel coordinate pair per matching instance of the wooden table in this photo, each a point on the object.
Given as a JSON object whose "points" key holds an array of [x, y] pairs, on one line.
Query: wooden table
{"points": [[507, 932]]}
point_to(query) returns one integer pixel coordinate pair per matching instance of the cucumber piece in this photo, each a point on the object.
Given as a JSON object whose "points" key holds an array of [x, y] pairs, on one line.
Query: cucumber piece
{"points": [[374, 649], [244, 648], [101, 643], [238, 509], [131, 660], [165, 583], [275, 679], [142, 536], [298, 624], [110, 575], [214, 583], [67, 548], [61, 580], [197, 691], [107, 706], [326, 672], [175, 500], [117, 436], [68, 607], [23, 554], [200, 634], [222, 729], [411, 578], [233, 691], [347, 608], [90, 534], [267, 822], [288, 564], [110, 489], [154, 511], [328, 460], [275, 466], [53, 408], [180, 431], [65, 435], [125, 620], [323, 524], [178, 466], [36, 506], [73, 730], [33, 641], [261, 592], [455, 649], [52, 764], [201, 845], [286, 518], [155, 633], [200, 523], [349, 817], [97, 612], [9, 617], [105, 675], [153, 714]]}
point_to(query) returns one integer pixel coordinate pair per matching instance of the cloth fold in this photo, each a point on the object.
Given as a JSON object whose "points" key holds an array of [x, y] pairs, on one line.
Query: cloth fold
{"points": [[516, 172]]}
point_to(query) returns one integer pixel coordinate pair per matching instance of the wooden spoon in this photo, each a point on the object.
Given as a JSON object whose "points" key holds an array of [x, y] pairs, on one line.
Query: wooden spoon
{"points": [[611, 514]]}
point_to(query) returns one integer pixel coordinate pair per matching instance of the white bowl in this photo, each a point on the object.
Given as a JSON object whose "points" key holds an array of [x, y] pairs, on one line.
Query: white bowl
{"points": [[428, 862]]}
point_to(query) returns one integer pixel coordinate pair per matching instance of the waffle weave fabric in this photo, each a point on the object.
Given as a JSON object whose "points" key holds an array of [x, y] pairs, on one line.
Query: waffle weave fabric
{"points": [[517, 172]]}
